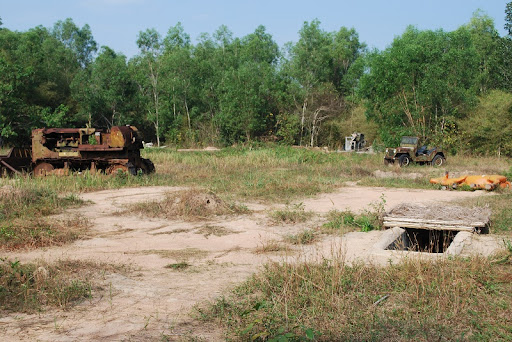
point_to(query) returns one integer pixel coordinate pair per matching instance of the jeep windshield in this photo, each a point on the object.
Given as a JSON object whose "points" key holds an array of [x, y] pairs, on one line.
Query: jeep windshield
{"points": [[409, 141]]}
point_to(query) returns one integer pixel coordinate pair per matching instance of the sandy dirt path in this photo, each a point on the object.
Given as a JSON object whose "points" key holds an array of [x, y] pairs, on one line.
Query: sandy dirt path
{"points": [[152, 301]]}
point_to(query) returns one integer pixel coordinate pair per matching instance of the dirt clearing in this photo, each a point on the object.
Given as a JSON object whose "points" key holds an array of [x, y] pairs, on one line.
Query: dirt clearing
{"points": [[209, 256]]}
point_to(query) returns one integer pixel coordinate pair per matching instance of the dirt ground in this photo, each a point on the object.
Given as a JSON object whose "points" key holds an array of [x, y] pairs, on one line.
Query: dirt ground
{"points": [[151, 300]]}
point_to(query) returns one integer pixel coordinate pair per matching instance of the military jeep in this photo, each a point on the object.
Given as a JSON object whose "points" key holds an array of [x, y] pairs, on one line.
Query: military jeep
{"points": [[410, 151]]}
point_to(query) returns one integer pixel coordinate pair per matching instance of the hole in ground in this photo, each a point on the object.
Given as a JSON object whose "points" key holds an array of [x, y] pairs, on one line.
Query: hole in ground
{"points": [[423, 240]]}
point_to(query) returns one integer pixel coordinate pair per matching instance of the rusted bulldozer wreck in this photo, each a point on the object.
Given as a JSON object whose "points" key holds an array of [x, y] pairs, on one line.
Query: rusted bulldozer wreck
{"points": [[15, 161], [61, 150]]}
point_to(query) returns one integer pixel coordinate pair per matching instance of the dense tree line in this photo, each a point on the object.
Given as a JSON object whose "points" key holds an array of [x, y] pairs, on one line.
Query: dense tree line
{"points": [[224, 89]]}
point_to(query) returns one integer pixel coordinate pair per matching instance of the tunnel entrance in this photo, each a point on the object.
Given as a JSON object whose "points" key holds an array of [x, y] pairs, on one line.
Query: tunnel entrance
{"points": [[423, 240]]}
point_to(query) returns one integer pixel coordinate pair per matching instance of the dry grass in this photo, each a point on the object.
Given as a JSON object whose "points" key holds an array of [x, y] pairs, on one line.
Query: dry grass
{"points": [[291, 214], [305, 237], [174, 231], [276, 173], [442, 212], [270, 246], [500, 205], [208, 230], [24, 222], [179, 254], [41, 232], [270, 172], [37, 286], [445, 300], [189, 205]]}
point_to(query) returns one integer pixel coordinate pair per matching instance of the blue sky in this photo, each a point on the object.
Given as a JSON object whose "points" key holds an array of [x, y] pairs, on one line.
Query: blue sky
{"points": [[116, 23]]}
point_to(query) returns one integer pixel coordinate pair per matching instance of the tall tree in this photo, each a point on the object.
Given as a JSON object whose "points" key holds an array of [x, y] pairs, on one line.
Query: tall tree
{"points": [[246, 92], [177, 68], [421, 82], [146, 68], [105, 90], [37, 70], [321, 73], [78, 40], [508, 18], [486, 41]]}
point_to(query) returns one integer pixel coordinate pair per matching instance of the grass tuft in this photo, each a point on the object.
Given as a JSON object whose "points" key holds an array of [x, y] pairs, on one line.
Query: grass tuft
{"points": [[23, 217], [270, 246], [291, 214], [180, 266], [305, 237], [35, 286]]}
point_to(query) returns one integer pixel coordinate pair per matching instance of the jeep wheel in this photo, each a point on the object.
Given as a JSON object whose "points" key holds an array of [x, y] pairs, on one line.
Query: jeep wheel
{"points": [[438, 160], [404, 160]]}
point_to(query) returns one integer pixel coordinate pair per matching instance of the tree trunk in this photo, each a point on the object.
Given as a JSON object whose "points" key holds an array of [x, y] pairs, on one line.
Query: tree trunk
{"points": [[303, 116], [188, 113]]}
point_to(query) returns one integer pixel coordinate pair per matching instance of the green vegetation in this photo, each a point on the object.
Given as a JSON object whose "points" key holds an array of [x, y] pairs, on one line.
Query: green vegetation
{"points": [[23, 208], [226, 90], [345, 221], [34, 287], [304, 237], [460, 299]]}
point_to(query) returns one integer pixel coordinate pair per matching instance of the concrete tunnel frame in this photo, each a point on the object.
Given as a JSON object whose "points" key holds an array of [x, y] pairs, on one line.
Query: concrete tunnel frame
{"points": [[392, 238]]}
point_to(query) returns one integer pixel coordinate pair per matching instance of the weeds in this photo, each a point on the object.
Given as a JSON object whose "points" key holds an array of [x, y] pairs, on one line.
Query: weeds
{"points": [[291, 214], [180, 254], [270, 246], [41, 232], [33, 287], [23, 208], [346, 221], [455, 299], [26, 200], [178, 266], [208, 230], [501, 208], [305, 237]]}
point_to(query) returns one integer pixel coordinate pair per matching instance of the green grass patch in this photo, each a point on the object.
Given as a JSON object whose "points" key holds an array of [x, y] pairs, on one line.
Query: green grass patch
{"points": [[445, 300], [341, 221], [34, 287], [346, 221]]}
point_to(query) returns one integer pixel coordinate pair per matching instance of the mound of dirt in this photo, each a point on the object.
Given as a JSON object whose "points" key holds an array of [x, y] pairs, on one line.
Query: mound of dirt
{"points": [[190, 205], [441, 212]]}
